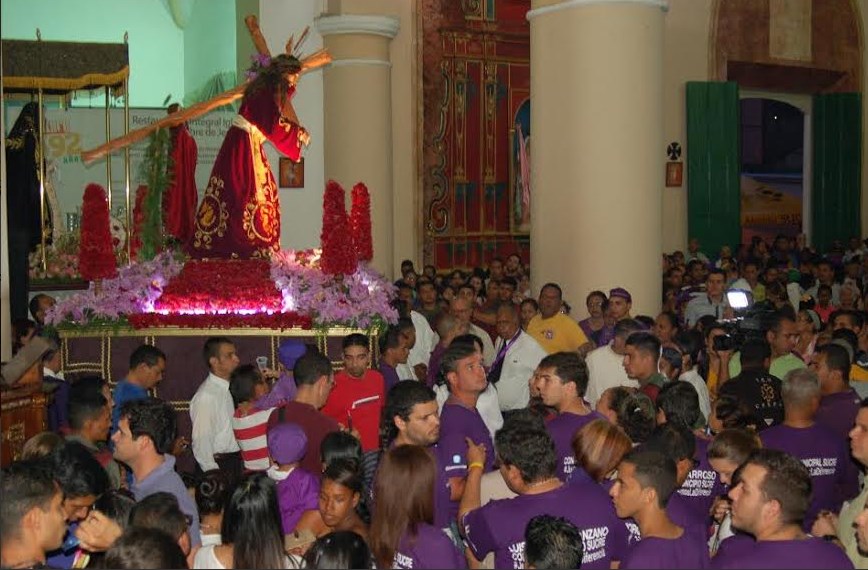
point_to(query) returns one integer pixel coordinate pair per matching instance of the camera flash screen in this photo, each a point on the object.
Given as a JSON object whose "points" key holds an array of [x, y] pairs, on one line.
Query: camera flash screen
{"points": [[737, 299]]}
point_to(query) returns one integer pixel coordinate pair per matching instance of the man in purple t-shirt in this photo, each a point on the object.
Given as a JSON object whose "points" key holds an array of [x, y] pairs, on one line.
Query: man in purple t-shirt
{"points": [[460, 421], [528, 464], [562, 378], [823, 453], [678, 443], [839, 404], [770, 502], [411, 417], [678, 404], [646, 480]]}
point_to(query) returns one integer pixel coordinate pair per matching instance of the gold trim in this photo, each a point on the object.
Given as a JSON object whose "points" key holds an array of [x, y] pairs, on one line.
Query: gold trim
{"points": [[89, 80]]}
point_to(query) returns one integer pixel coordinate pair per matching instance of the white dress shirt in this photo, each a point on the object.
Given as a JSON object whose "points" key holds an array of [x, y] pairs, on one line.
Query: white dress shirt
{"points": [[521, 359], [426, 340], [605, 370], [693, 378], [211, 410]]}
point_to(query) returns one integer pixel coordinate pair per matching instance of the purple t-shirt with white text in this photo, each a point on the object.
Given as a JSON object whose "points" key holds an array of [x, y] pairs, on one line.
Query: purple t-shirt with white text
{"points": [[686, 551], [563, 428], [796, 554], [430, 548], [702, 484], [499, 526], [458, 422], [824, 454]]}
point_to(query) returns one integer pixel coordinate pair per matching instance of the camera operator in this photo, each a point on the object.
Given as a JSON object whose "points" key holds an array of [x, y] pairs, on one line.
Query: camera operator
{"points": [[755, 386], [714, 362], [712, 302], [782, 336]]}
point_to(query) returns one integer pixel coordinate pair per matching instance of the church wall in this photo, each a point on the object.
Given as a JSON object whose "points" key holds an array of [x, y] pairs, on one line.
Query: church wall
{"points": [[156, 43], [209, 45], [685, 58]]}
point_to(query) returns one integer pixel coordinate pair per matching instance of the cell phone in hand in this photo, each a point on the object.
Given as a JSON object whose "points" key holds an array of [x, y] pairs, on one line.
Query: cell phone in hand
{"points": [[262, 362]]}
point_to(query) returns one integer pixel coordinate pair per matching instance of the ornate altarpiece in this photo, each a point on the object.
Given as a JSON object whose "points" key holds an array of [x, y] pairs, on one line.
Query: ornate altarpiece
{"points": [[476, 84]]}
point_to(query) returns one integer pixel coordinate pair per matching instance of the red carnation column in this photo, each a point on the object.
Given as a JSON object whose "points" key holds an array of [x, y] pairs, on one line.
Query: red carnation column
{"points": [[96, 259], [338, 256], [360, 223]]}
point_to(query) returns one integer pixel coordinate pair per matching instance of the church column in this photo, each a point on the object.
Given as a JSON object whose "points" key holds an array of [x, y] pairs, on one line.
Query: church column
{"points": [[358, 117], [598, 148]]}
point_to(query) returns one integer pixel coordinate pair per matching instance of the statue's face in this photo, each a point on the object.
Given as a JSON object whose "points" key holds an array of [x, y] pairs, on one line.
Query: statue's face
{"points": [[292, 79]]}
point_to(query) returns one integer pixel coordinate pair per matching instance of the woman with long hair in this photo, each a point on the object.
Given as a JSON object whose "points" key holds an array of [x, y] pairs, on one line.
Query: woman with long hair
{"points": [[341, 491], [251, 529], [402, 532]]}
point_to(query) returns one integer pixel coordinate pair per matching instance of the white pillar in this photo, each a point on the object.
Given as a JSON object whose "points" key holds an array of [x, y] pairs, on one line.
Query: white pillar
{"points": [[598, 157]]}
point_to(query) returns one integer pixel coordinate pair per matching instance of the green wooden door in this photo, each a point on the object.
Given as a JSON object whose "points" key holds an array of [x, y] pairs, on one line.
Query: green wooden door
{"points": [[835, 198], [713, 164]]}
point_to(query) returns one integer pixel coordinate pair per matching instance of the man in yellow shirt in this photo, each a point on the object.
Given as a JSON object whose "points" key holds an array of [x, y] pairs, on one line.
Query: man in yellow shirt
{"points": [[553, 330]]}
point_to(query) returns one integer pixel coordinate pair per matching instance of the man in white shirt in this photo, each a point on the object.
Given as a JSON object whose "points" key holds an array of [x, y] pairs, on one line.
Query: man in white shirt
{"points": [[606, 364], [517, 356], [425, 339], [211, 410], [826, 276]]}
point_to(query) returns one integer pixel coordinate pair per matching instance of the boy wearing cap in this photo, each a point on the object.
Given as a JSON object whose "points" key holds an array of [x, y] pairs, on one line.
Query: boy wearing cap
{"points": [[297, 489], [618, 305]]}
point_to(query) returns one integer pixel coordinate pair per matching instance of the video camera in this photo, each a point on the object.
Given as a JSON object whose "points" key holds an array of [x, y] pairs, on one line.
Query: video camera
{"points": [[750, 323]]}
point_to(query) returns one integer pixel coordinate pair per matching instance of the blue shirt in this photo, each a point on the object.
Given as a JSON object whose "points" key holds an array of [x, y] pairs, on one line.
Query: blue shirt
{"points": [[164, 478], [125, 391]]}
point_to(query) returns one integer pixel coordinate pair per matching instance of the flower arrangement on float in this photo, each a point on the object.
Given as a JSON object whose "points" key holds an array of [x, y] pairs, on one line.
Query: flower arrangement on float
{"points": [[358, 300], [134, 290], [321, 288]]}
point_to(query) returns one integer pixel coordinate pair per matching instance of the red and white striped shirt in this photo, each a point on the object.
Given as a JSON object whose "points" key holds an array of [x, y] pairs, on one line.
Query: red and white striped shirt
{"points": [[251, 431]]}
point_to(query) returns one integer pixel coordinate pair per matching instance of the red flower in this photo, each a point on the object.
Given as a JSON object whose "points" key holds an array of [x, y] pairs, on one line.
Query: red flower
{"points": [[96, 258], [222, 285], [360, 223], [338, 255]]}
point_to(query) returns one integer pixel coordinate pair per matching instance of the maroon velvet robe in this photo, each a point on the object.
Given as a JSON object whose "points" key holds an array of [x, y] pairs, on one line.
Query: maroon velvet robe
{"points": [[181, 196], [239, 216]]}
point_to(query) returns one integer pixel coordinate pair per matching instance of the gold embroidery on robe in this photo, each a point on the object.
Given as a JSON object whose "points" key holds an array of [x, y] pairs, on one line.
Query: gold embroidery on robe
{"points": [[213, 215], [261, 217]]}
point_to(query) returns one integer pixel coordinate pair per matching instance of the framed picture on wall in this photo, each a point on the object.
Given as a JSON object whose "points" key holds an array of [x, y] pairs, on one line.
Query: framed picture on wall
{"points": [[674, 173], [291, 173]]}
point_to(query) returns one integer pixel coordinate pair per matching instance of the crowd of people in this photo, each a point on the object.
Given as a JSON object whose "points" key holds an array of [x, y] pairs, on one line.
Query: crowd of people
{"points": [[488, 429]]}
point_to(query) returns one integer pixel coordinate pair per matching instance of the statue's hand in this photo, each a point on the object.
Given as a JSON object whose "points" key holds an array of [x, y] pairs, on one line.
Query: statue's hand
{"points": [[303, 136]]}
